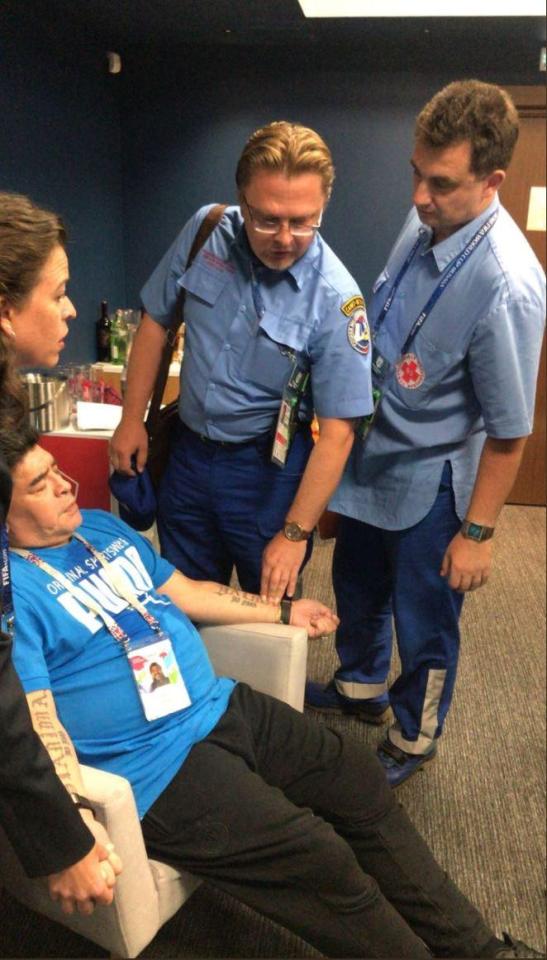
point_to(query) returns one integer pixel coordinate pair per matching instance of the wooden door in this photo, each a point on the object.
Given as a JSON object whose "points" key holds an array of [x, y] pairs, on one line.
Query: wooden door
{"points": [[528, 169]]}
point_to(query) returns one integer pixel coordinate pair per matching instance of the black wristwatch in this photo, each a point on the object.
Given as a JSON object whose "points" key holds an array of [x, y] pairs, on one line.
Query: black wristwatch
{"points": [[294, 532], [82, 803], [476, 531], [285, 612]]}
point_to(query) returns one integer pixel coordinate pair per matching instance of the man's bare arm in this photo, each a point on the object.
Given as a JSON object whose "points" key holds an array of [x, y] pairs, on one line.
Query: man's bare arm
{"points": [[130, 437], [208, 602], [92, 878], [467, 563], [282, 559]]}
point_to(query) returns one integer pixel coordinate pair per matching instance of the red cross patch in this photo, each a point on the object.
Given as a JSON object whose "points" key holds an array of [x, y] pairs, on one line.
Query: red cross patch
{"points": [[409, 372]]}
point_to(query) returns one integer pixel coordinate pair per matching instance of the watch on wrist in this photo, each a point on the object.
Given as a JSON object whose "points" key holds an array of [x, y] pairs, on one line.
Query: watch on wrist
{"points": [[285, 612], [476, 531], [294, 532], [82, 803]]}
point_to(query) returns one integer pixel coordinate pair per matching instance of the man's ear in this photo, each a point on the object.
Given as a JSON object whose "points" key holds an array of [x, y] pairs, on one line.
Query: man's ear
{"points": [[494, 181]]}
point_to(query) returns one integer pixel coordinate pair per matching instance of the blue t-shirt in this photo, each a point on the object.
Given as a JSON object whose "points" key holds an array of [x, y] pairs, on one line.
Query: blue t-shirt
{"points": [[245, 323], [62, 646], [471, 372]]}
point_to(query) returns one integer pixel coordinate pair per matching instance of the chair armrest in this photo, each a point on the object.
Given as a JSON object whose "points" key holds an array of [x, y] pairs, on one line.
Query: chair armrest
{"points": [[270, 657]]}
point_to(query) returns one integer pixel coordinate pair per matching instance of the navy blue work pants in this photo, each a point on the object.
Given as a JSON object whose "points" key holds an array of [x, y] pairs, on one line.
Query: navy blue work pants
{"points": [[220, 505], [300, 824], [380, 575]]}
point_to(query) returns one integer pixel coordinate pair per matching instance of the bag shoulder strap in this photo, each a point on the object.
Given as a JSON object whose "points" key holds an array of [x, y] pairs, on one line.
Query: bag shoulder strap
{"points": [[207, 226]]}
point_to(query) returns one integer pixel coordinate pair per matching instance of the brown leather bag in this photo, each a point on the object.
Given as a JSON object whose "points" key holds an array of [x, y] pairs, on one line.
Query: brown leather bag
{"points": [[161, 421]]}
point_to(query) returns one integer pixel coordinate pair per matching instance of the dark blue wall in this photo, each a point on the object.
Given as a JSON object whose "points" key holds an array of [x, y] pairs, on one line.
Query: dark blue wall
{"points": [[127, 159], [61, 146], [186, 118]]}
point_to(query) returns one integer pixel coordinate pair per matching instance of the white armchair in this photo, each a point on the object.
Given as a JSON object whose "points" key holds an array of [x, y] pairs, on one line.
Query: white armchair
{"points": [[271, 658]]}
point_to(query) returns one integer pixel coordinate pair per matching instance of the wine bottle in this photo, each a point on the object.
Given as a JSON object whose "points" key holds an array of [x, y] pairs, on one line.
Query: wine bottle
{"points": [[103, 334]]}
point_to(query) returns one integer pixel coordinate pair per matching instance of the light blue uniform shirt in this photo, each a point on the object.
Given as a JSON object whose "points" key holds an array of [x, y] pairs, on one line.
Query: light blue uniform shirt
{"points": [[240, 348], [478, 353]]}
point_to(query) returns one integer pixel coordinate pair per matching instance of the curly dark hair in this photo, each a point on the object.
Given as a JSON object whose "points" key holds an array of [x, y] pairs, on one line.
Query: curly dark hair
{"points": [[481, 113], [14, 445]]}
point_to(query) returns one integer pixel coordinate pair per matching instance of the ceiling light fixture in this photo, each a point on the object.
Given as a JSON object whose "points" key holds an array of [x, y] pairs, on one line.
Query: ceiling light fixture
{"points": [[422, 8]]}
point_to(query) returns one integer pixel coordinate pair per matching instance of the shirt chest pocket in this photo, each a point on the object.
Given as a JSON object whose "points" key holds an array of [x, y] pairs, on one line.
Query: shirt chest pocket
{"points": [[269, 357], [426, 374], [266, 363], [204, 283]]}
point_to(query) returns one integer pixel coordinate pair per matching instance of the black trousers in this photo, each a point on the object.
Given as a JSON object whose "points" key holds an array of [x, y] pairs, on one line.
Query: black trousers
{"points": [[299, 823]]}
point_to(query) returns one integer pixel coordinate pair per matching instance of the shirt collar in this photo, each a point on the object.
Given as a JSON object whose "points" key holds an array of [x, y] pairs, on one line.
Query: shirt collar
{"points": [[445, 251]]}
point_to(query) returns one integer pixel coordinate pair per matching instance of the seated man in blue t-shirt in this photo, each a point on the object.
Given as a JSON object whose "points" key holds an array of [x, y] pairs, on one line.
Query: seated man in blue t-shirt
{"points": [[275, 809]]}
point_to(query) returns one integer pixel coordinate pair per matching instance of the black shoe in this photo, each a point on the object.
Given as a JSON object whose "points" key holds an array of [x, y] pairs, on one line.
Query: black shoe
{"points": [[515, 948]]}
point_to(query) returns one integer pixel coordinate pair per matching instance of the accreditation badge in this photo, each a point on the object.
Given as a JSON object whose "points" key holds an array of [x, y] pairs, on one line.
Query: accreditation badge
{"points": [[157, 675]]}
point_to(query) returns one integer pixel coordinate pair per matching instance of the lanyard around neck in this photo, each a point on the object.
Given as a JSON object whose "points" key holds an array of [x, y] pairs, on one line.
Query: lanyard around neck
{"points": [[115, 580], [448, 274], [6, 599]]}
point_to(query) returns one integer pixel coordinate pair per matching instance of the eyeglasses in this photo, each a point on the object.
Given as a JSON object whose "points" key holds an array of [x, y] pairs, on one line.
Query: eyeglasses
{"points": [[272, 225]]}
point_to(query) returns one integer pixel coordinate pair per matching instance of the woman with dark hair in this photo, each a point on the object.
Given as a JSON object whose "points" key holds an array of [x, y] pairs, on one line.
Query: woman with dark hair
{"points": [[44, 822]]}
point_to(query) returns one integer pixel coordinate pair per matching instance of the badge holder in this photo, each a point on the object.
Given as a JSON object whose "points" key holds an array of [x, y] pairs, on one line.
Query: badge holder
{"points": [[285, 428], [157, 675]]}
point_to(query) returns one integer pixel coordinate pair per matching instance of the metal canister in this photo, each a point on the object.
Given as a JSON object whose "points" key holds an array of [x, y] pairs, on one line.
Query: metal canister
{"points": [[49, 402]]}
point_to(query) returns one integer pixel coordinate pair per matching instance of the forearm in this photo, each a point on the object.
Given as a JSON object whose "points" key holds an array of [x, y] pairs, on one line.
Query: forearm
{"points": [[44, 828], [55, 739], [323, 472], [143, 367], [205, 601], [498, 467]]}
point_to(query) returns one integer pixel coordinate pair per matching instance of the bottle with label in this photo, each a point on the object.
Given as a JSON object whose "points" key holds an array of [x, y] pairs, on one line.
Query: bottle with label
{"points": [[103, 334], [118, 338]]}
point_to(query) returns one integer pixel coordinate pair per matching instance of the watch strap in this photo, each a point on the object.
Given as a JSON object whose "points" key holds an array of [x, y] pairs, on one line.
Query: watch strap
{"points": [[285, 612], [476, 531], [295, 532]]}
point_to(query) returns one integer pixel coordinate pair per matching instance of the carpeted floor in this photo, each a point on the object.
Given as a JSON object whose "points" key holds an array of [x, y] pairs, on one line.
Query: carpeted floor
{"points": [[480, 804]]}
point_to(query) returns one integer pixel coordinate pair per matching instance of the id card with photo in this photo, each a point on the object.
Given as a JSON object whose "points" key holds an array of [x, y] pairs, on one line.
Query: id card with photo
{"points": [[157, 675]]}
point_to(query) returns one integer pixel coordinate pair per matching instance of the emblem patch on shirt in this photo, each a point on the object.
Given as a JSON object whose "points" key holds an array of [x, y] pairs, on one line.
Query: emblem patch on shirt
{"points": [[358, 331], [351, 305], [409, 372]]}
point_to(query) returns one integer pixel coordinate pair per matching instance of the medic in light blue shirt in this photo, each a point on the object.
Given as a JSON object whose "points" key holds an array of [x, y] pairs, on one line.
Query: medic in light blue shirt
{"points": [[276, 330], [457, 319]]}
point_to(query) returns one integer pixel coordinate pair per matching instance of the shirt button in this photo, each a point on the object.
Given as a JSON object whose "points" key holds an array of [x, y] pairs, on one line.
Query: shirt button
{"points": [[227, 346], [243, 309]]}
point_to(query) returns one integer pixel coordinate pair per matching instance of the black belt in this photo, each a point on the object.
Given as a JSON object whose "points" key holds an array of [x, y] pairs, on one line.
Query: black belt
{"points": [[263, 439]]}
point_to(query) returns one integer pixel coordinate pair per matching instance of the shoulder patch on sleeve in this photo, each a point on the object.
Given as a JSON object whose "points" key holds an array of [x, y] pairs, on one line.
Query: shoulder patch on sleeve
{"points": [[351, 305], [358, 329]]}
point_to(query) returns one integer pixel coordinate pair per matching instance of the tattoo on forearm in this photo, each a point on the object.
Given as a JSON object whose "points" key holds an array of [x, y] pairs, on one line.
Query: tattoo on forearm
{"points": [[242, 598], [55, 740]]}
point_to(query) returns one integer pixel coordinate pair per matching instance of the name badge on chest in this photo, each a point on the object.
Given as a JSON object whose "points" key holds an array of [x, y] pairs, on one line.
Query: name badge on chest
{"points": [[157, 675]]}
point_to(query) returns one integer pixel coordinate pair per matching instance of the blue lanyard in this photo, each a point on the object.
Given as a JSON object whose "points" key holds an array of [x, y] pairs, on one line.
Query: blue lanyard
{"points": [[6, 598], [450, 272]]}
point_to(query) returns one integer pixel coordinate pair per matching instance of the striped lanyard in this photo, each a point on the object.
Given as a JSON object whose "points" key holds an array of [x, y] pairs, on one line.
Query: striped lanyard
{"points": [[449, 273], [115, 580]]}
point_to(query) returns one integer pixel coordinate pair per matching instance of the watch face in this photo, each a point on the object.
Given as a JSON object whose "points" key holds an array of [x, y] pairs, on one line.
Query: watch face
{"points": [[293, 531], [474, 530]]}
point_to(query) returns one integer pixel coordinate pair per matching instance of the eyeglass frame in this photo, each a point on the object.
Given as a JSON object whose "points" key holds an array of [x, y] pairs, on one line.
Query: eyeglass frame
{"points": [[309, 229]]}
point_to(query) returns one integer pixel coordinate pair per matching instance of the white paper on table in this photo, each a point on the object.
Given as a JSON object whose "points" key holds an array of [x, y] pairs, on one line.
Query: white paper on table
{"points": [[97, 416]]}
